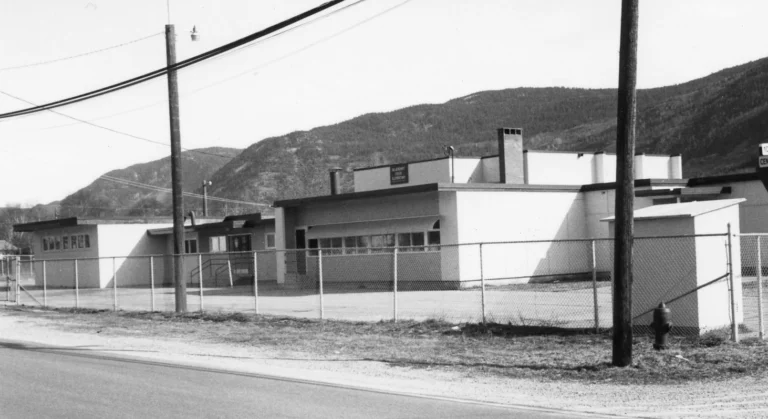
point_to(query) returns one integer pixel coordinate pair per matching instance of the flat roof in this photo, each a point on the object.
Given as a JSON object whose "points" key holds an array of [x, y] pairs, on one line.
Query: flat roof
{"points": [[736, 177], [427, 187], [78, 221], [236, 222], [682, 210]]}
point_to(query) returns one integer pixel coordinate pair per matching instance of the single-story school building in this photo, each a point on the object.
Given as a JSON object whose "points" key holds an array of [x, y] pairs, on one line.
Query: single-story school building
{"points": [[518, 195], [100, 243]]}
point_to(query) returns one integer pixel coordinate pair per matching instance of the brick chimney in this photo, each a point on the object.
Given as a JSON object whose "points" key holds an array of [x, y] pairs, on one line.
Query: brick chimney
{"points": [[511, 168]]}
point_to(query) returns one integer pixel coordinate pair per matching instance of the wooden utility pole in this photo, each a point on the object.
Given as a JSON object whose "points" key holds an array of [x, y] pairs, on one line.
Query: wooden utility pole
{"points": [[180, 284], [625, 186]]}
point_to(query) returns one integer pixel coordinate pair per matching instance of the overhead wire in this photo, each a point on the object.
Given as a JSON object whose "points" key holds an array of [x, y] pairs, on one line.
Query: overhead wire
{"points": [[19, 67], [266, 64], [82, 121], [179, 65], [128, 182]]}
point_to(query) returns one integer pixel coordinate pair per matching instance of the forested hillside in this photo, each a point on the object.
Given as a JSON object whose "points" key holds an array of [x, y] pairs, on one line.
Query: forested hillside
{"points": [[714, 122], [108, 198]]}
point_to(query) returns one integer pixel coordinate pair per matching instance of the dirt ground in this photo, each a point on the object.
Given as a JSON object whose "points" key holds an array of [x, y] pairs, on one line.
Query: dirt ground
{"points": [[742, 397]]}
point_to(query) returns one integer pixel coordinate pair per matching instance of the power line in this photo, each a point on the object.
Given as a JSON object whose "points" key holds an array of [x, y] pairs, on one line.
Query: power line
{"points": [[19, 67], [182, 64], [268, 63], [162, 189], [82, 121]]}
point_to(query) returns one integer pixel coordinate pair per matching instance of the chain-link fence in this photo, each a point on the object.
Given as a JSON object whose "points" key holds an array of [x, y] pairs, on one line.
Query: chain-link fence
{"points": [[545, 284], [754, 269]]}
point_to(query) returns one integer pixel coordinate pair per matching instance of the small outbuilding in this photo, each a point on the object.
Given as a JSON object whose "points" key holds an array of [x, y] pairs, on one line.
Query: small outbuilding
{"points": [[688, 250]]}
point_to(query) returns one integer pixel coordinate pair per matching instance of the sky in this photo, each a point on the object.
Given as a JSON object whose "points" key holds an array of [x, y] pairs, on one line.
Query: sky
{"points": [[373, 56]]}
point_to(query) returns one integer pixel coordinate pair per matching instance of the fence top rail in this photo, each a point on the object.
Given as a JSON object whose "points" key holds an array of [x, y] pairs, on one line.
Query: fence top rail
{"points": [[425, 247], [751, 234]]}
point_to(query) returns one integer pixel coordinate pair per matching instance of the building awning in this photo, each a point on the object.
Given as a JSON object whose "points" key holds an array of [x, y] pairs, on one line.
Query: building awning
{"points": [[378, 226]]}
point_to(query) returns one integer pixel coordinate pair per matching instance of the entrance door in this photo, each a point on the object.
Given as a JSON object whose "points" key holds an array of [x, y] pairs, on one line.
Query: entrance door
{"points": [[301, 256]]}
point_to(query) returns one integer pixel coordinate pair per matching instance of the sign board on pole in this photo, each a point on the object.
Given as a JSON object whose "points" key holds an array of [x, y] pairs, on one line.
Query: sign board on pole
{"points": [[764, 149], [762, 164]]}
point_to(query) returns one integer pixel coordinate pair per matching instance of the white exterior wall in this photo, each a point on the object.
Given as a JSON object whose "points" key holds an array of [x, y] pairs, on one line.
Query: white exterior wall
{"points": [[432, 171], [117, 240], [467, 170], [62, 273], [490, 169], [602, 204], [494, 216], [654, 167], [714, 300], [609, 168], [560, 168]]}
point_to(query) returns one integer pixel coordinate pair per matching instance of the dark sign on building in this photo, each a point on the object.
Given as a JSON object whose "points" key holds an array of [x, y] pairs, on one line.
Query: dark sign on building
{"points": [[398, 174]]}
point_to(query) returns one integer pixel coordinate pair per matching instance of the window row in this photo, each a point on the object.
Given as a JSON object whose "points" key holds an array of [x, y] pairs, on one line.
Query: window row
{"points": [[70, 242], [377, 243]]}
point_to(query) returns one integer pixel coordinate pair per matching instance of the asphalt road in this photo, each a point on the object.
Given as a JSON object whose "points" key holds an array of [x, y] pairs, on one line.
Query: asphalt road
{"points": [[42, 382]]}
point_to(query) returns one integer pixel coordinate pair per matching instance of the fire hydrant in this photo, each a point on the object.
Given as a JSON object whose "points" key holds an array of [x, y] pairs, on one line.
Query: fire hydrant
{"points": [[662, 326]]}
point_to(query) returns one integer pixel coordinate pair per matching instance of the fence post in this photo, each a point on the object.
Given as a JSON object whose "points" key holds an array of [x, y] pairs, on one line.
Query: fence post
{"points": [[18, 278], [229, 271], [152, 282], [394, 285], [734, 323], [200, 278], [45, 287], [320, 269], [760, 291], [77, 286], [255, 282], [482, 283], [594, 287], [114, 283]]}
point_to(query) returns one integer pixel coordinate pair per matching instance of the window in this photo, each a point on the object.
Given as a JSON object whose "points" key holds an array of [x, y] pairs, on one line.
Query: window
{"points": [[190, 246], [65, 243], [57, 240], [218, 244], [86, 240], [381, 242], [73, 242], [433, 240], [312, 244], [410, 242], [45, 244], [331, 246], [241, 243], [269, 240]]}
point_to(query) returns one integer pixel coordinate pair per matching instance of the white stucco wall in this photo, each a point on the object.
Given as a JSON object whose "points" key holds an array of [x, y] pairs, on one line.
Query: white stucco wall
{"points": [[712, 261], [117, 240], [559, 168], [420, 173], [501, 216], [490, 169], [61, 273], [653, 167]]}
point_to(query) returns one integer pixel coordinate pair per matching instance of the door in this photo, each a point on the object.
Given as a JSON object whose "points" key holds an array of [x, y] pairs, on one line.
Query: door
{"points": [[301, 256]]}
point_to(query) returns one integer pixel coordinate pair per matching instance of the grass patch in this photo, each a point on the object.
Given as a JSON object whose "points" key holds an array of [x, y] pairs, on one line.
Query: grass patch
{"points": [[541, 352]]}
